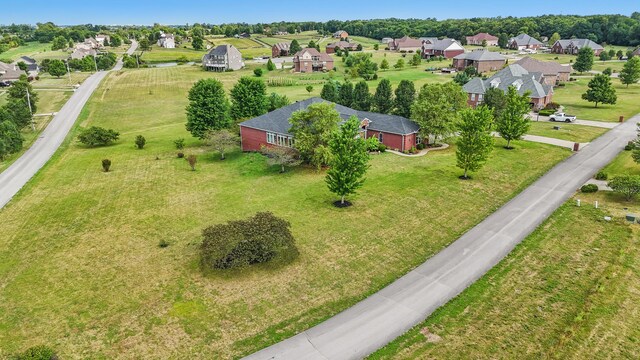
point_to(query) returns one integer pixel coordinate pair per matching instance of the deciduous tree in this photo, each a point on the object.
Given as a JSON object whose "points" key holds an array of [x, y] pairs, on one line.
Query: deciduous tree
{"points": [[437, 109], [222, 141], [475, 141], [281, 156], [312, 129], [57, 68], [630, 73], [349, 162], [584, 60], [600, 90], [513, 123], [208, 108], [627, 185]]}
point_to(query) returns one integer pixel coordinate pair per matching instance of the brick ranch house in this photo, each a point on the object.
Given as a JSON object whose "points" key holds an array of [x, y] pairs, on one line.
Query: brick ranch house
{"points": [[310, 60], [448, 48], [331, 48], [552, 72], [524, 41], [572, 46], [479, 37], [512, 75], [280, 49], [482, 60], [341, 34], [272, 129]]}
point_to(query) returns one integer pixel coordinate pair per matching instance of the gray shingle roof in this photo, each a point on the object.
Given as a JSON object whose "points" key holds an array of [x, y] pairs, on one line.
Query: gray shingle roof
{"points": [[524, 39], [580, 43], [512, 75], [277, 121], [545, 67], [481, 55]]}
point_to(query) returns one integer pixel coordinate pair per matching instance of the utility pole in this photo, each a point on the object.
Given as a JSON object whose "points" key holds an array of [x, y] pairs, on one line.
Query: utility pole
{"points": [[33, 123], [95, 62], [68, 71]]}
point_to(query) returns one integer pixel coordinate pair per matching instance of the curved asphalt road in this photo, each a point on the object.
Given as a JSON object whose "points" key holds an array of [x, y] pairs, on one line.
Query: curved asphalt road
{"points": [[16, 176], [380, 318]]}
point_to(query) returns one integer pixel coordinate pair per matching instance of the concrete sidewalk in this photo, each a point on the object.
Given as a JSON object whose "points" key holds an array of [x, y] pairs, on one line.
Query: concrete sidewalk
{"points": [[374, 322]]}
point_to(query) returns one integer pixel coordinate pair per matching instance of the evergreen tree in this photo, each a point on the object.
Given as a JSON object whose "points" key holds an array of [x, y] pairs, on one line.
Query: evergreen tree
{"points": [[384, 65], [630, 73], [513, 123], [329, 91], [383, 98], [249, 98], [600, 91], [294, 47], [208, 108], [349, 162], [345, 97], [496, 100], [475, 141], [405, 97], [270, 65], [584, 60], [503, 41], [361, 97], [416, 60]]}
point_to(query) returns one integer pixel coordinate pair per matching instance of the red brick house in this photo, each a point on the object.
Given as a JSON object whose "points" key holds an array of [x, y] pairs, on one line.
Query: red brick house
{"points": [[342, 45], [280, 49], [479, 37], [482, 60], [513, 75], [311, 60], [341, 34], [448, 48], [272, 129], [572, 46]]}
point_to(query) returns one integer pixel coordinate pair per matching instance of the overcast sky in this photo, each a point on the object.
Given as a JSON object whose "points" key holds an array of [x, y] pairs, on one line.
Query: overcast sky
{"points": [[69, 12]]}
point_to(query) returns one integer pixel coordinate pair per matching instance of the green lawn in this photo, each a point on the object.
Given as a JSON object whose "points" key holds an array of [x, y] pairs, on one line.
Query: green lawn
{"points": [[623, 164], [159, 54], [571, 132], [80, 265], [570, 96], [568, 291], [560, 58], [615, 65], [28, 49]]}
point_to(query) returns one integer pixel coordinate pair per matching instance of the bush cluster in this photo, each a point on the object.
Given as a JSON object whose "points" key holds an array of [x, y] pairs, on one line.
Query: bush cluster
{"points": [[40, 352], [602, 175], [97, 136], [589, 188], [259, 239]]}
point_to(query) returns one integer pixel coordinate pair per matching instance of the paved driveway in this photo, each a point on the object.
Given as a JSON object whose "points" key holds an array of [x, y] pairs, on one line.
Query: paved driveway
{"points": [[380, 318]]}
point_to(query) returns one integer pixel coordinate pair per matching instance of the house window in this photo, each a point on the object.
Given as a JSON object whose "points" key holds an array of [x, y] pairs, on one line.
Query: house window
{"points": [[380, 137], [418, 139], [473, 97], [271, 138], [479, 97]]}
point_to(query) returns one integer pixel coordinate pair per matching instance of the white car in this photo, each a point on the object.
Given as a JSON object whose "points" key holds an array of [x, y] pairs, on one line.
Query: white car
{"points": [[562, 117]]}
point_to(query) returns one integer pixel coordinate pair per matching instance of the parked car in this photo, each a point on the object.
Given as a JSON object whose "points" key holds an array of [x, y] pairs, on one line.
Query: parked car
{"points": [[5, 84], [562, 117]]}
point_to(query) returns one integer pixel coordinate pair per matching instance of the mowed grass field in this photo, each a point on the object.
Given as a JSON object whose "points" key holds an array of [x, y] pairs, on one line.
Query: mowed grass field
{"points": [[80, 266], [568, 291], [571, 132], [570, 96], [35, 50]]}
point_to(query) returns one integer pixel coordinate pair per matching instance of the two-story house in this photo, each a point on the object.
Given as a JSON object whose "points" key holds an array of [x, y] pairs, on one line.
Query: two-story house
{"points": [[310, 60], [223, 58]]}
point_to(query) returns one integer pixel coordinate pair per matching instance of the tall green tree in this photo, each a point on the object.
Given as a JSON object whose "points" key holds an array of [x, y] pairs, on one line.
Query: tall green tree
{"points": [[405, 97], [17, 111], [361, 97], [630, 73], [294, 47], [503, 41], [555, 37], [584, 60], [249, 98], [312, 129], [513, 122], [437, 110], [384, 65], [59, 43], [145, 45], [349, 162], [329, 91], [197, 43], [23, 91], [57, 68], [627, 185], [208, 108], [383, 98], [277, 101], [475, 141], [270, 65], [600, 91], [10, 139], [416, 60], [345, 96]]}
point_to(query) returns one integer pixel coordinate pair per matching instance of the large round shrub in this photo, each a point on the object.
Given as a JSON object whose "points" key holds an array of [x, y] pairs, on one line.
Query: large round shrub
{"points": [[97, 136], [589, 188], [261, 238]]}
